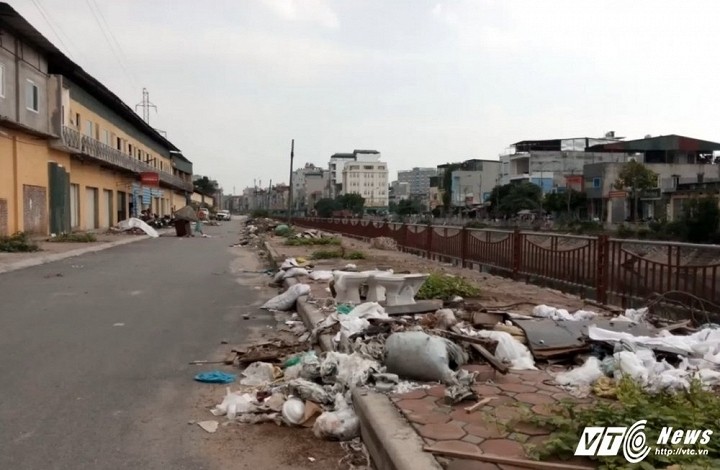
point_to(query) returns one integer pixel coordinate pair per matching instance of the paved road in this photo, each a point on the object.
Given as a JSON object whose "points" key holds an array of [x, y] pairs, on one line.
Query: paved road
{"points": [[95, 370]]}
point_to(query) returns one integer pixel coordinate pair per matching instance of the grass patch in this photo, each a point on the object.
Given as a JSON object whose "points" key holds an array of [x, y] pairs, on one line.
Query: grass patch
{"points": [[18, 243], [327, 254], [312, 241], [75, 238], [692, 409], [442, 286], [355, 255]]}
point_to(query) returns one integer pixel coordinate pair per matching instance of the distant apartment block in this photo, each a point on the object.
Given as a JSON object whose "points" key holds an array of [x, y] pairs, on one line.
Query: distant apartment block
{"points": [[369, 179], [418, 180], [472, 182], [309, 186], [337, 165]]}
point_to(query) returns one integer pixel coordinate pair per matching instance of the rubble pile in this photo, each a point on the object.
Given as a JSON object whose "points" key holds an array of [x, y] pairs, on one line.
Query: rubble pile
{"points": [[253, 229], [313, 233], [384, 243]]}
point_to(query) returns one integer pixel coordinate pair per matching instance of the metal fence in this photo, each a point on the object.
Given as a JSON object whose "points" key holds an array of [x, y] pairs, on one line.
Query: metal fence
{"points": [[609, 270]]}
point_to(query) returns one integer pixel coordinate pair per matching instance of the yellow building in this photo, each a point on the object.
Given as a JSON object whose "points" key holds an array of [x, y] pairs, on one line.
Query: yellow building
{"points": [[73, 156]]}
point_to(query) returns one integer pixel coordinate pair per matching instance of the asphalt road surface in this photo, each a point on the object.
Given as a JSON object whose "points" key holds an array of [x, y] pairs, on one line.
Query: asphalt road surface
{"points": [[95, 351]]}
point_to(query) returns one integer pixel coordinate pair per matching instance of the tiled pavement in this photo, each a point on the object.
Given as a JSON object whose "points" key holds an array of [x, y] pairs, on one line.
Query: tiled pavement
{"points": [[494, 428]]}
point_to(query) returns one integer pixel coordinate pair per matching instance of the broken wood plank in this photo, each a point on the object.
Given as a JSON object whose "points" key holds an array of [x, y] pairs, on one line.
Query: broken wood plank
{"points": [[677, 326], [484, 342], [484, 401], [421, 306], [532, 464], [487, 355]]}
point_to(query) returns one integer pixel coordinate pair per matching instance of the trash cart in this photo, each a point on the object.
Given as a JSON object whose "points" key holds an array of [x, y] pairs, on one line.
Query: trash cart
{"points": [[182, 228]]}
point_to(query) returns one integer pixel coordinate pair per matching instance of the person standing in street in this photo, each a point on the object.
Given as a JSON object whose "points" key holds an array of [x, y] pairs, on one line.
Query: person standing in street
{"points": [[198, 224]]}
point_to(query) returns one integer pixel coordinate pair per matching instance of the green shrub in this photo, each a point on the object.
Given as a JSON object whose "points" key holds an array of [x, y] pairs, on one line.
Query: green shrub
{"points": [[623, 231], [75, 238], [312, 241], [443, 286], [692, 409], [476, 224], [18, 243], [327, 254], [355, 255]]}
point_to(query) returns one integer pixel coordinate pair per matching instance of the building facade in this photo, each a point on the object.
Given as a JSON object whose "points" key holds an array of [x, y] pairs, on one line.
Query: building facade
{"points": [[73, 156], [473, 181], [337, 164], [310, 184], [368, 179], [418, 180]]}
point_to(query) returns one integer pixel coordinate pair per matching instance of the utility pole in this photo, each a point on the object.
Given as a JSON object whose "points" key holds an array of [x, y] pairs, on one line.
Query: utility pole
{"points": [[145, 104], [290, 198], [269, 197]]}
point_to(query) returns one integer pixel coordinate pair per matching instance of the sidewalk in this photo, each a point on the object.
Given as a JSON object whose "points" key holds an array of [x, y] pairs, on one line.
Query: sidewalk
{"points": [[496, 428], [56, 251]]}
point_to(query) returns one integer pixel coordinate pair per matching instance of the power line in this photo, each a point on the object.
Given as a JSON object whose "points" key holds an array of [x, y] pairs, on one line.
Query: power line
{"points": [[112, 35], [52, 27], [109, 43]]}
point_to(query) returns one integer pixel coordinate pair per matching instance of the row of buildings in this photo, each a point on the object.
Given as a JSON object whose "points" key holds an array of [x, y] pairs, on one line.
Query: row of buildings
{"points": [[74, 156], [686, 167]]}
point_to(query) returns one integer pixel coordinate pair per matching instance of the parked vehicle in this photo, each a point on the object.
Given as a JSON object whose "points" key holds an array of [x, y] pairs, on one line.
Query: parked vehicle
{"points": [[223, 215]]}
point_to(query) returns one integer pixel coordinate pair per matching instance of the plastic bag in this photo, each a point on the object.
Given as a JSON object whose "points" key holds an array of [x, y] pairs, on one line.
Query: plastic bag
{"points": [[508, 349], [321, 275], [339, 425], [293, 411], [348, 370], [553, 313], [586, 374], [295, 272], [417, 355], [287, 299], [309, 391], [636, 316], [630, 364], [310, 366], [445, 318], [258, 373], [289, 263], [235, 403]]}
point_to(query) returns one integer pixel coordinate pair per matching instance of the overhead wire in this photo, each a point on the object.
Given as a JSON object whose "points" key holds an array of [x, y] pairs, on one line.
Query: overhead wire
{"points": [[113, 37], [105, 32], [46, 17]]}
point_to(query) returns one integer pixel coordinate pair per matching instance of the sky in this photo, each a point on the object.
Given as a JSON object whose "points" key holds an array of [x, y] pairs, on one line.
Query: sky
{"points": [[424, 82]]}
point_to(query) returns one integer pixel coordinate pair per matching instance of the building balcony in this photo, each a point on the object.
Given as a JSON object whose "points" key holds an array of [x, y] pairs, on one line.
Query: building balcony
{"points": [[74, 142], [520, 176]]}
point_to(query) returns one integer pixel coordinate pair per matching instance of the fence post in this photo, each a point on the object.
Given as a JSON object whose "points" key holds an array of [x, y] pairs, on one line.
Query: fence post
{"points": [[404, 236], [517, 252], [463, 245], [602, 268], [428, 240]]}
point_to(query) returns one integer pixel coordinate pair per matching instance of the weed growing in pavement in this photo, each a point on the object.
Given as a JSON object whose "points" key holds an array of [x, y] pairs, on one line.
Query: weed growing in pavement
{"points": [[312, 241], [443, 286], [75, 238], [18, 243], [692, 409]]}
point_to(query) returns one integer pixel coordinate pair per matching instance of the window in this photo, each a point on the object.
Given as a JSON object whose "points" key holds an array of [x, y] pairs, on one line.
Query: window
{"points": [[596, 182], [32, 101], [89, 128], [106, 137], [367, 167], [2, 81], [77, 120]]}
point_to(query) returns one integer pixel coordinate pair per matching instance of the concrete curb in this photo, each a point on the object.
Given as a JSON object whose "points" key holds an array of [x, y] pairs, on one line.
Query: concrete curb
{"points": [[392, 443], [28, 263]]}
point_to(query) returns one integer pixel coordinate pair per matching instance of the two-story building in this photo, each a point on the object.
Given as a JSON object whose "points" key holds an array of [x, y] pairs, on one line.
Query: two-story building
{"points": [[73, 156]]}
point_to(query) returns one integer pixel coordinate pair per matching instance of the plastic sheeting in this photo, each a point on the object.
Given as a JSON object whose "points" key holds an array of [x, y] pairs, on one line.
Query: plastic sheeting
{"points": [[508, 349], [287, 299], [553, 313], [419, 356], [133, 222]]}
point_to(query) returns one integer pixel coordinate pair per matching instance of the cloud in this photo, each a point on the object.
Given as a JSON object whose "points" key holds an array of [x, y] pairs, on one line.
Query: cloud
{"points": [[309, 11]]}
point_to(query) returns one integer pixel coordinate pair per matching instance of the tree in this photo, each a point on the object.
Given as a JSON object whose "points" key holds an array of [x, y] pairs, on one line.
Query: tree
{"points": [[637, 178], [569, 202], [326, 206], [205, 186], [510, 199], [409, 207], [700, 219], [352, 202]]}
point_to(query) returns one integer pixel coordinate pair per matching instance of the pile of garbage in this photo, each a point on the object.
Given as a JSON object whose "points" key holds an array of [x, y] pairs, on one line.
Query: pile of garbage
{"points": [[312, 233], [253, 228]]}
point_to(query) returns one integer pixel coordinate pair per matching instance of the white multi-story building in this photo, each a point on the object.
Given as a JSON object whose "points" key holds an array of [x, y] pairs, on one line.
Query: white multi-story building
{"points": [[337, 164], [309, 186], [368, 179]]}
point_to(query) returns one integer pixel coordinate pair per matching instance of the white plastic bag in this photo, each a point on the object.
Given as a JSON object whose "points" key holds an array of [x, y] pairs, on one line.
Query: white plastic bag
{"points": [[321, 275], [339, 425], [508, 349], [235, 403], [258, 373], [586, 374], [287, 299], [445, 318], [295, 272], [553, 313], [348, 370], [417, 355], [289, 263], [630, 364]]}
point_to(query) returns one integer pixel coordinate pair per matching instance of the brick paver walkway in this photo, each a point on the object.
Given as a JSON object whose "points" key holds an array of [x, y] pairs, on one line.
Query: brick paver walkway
{"points": [[494, 428]]}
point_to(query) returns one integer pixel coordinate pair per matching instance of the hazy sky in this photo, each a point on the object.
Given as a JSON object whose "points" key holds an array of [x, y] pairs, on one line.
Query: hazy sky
{"points": [[424, 82]]}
